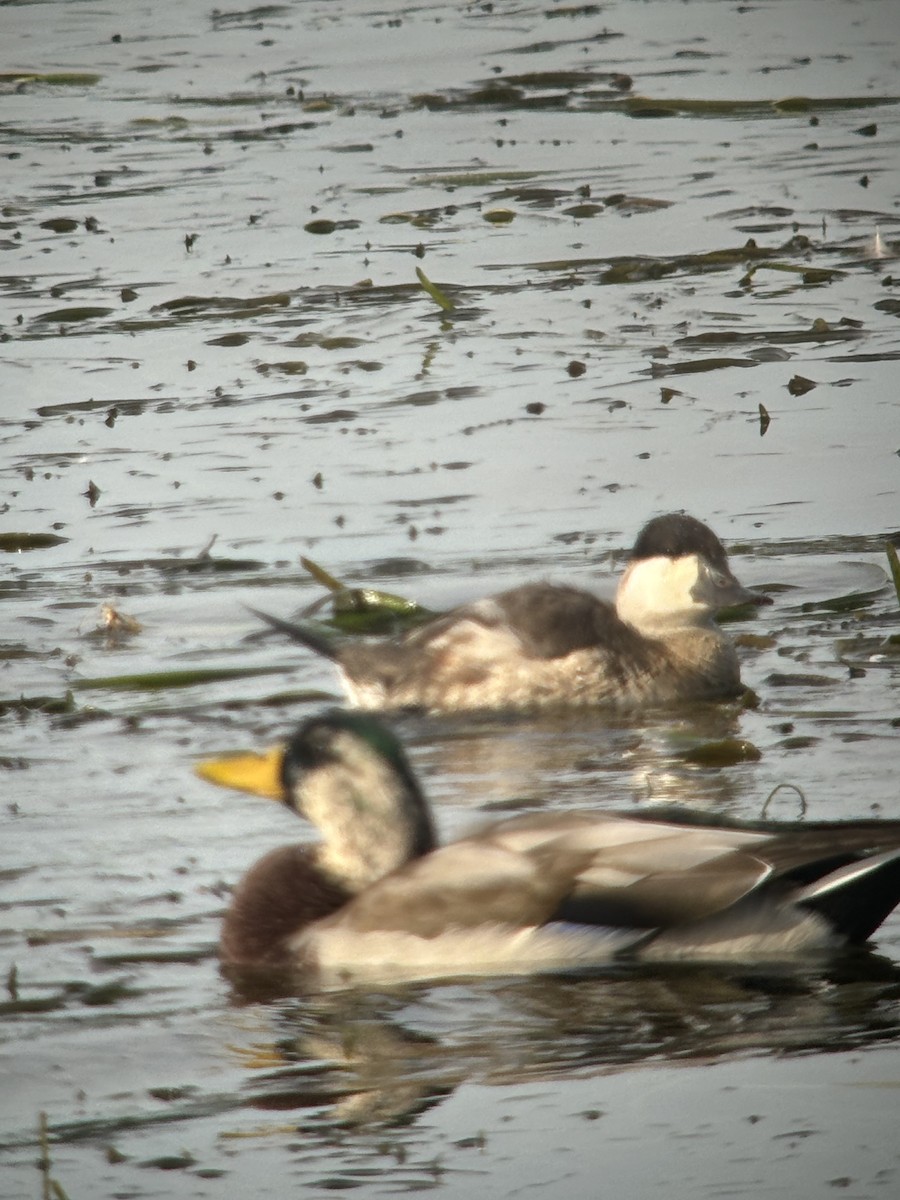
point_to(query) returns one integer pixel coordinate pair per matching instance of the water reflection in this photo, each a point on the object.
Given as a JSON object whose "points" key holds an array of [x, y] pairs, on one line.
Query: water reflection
{"points": [[190, 150], [367, 1059], [576, 760]]}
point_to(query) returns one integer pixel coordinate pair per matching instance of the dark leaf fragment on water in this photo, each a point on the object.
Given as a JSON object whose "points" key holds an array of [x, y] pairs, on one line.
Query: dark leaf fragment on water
{"points": [[723, 753], [15, 543], [799, 386], [70, 316], [229, 339], [894, 561], [796, 679], [699, 366], [60, 225]]}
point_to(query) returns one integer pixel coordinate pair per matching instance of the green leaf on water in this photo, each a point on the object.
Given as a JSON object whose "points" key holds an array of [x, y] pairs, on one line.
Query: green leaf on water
{"points": [[724, 753], [153, 681], [366, 600], [69, 316], [321, 575], [364, 610], [894, 560], [440, 298], [53, 78]]}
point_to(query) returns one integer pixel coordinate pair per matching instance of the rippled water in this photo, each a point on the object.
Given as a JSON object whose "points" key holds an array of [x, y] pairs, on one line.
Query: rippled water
{"points": [[670, 234]]}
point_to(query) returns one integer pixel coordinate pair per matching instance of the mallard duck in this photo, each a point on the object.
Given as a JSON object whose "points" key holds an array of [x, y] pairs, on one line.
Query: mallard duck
{"points": [[377, 899], [545, 645]]}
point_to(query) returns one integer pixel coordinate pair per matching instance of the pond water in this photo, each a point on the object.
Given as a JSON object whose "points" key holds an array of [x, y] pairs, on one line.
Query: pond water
{"points": [[669, 233]]}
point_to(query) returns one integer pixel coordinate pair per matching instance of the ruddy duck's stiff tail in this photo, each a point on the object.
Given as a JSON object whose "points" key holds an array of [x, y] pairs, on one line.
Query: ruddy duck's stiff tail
{"points": [[304, 634]]}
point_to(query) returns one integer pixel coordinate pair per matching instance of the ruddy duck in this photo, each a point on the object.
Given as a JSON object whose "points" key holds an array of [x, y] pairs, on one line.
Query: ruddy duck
{"points": [[545, 645], [377, 900]]}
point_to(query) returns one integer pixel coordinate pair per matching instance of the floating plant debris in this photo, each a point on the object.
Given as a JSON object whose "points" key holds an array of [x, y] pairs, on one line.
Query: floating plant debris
{"points": [[17, 543], [154, 681], [441, 299], [724, 753], [364, 610]]}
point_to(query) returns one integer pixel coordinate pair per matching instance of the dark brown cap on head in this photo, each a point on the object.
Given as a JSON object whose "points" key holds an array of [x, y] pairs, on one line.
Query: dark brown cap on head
{"points": [[676, 535]]}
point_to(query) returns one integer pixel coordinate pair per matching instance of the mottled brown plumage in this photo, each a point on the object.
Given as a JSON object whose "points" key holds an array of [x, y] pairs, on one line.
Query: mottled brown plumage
{"points": [[545, 645]]}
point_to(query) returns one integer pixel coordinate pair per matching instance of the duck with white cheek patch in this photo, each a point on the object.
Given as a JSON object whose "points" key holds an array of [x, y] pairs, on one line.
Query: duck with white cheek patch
{"points": [[546, 646]]}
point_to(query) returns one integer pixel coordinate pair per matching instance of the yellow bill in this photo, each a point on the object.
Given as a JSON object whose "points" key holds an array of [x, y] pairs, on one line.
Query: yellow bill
{"points": [[259, 774]]}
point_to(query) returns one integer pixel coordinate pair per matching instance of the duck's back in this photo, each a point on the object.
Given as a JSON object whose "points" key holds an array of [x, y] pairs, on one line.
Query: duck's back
{"points": [[537, 646]]}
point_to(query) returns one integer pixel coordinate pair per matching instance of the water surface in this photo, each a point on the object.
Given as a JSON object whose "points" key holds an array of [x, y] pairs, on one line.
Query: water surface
{"points": [[669, 233]]}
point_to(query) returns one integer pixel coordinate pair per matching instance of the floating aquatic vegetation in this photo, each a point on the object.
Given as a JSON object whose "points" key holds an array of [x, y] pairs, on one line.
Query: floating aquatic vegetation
{"points": [[819, 331], [725, 752], [156, 681], [441, 299], [201, 307], [499, 216], [17, 543], [60, 225], [115, 625], [425, 218], [50, 78], [363, 610], [51, 1185], [699, 366], [791, 679], [324, 226], [294, 367], [71, 316], [799, 386], [229, 339], [644, 106], [48, 705], [894, 562], [635, 203]]}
